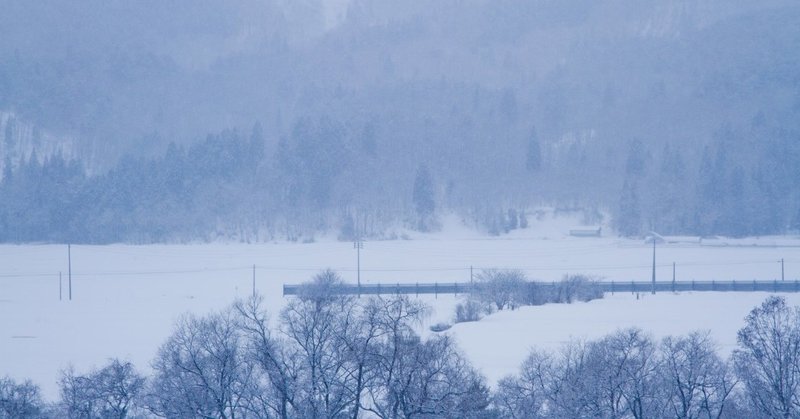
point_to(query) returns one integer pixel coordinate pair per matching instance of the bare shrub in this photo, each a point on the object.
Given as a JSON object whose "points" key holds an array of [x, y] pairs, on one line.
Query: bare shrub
{"points": [[502, 288], [577, 288], [471, 310]]}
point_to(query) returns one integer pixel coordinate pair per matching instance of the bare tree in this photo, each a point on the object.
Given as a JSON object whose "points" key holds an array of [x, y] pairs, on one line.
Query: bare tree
{"points": [[623, 371], [355, 358], [200, 371], [768, 358], [447, 385], [361, 343], [621, 375], [502, 288], [697, 380], [409, 377], [334, 357], [526, 395], [20, 400], [79, 397], [395, 319], [113, 391], [577, 288], [314, 325], [342, 357], [567, 385], [121, 388], [273, 384], [427, 379]]}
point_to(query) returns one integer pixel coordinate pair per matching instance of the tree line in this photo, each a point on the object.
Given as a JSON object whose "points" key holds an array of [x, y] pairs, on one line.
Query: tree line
{"points": [[325, 178], [335, 356], [501, 289]]}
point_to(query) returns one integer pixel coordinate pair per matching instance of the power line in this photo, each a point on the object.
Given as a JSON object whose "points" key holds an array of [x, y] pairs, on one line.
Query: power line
{"points": [[388, 269]]}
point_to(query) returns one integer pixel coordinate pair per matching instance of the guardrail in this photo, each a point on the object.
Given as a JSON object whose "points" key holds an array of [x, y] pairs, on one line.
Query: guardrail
{"points": [[605, 286]]}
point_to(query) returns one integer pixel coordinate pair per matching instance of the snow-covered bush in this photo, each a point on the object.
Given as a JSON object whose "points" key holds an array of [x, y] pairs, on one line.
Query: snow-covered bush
{"points": [[501, 288], [471, 310], [577, 288]]}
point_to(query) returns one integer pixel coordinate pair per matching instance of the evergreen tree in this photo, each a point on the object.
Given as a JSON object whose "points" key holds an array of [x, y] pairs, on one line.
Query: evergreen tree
{"points": [[513, 221], [523, 220], [796, 220], [7, 170], [708, 195], [256, 146], [533, 157], [629, 217], [667, 200], [508, 105], [368, 139], [8, 138], [423, 196], [636, 163], [735, 219]]}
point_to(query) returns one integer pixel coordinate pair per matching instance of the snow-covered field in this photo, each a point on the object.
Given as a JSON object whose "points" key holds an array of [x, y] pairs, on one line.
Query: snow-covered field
{"points": [[126, 298]]}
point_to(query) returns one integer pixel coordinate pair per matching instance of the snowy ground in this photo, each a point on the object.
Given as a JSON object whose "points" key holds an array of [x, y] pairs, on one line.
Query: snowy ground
{"points": [[126, 298], [499, 343]]}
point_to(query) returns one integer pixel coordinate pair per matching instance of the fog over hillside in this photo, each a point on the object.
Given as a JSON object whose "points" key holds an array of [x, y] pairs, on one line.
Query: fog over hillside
{"points": [[155, 121]]}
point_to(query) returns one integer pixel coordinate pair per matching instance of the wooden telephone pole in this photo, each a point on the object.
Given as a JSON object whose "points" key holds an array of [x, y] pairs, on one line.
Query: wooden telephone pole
{"points": [[358, 244], [69, 267], [654, 264]]}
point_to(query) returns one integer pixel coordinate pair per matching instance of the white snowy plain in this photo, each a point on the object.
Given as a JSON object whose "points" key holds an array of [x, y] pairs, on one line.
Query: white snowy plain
{"points": [[125, 298]]}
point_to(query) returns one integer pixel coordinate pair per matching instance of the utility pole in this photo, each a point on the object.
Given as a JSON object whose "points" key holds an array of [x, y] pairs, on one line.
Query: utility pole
{"points": [[782, 277], [471, 280], [69, 267], [254, 281], [673, 273], [654, 264], [358, 244], [673, 276]]}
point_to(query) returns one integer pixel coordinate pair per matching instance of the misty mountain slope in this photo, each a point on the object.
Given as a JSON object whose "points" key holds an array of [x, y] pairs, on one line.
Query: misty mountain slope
{"points": [[678, 116]]}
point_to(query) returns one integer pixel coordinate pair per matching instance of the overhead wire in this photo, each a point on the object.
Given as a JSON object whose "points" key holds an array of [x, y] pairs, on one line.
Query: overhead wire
{"points": [[273, 268]]}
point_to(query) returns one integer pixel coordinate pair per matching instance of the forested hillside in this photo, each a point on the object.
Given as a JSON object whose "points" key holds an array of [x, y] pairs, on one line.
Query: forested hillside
{"points": [[270, 119]]}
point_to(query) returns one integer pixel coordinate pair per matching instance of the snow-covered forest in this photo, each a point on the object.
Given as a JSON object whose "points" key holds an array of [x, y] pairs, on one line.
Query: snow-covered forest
{"points": [[263, 119]]}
